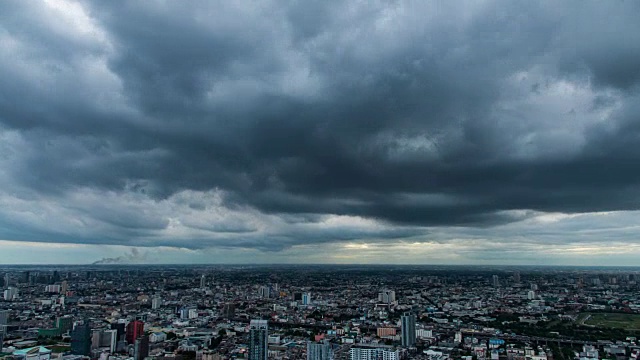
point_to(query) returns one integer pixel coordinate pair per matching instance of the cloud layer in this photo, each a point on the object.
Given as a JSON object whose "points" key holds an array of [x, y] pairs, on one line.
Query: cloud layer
{"points": [[278, 124]]}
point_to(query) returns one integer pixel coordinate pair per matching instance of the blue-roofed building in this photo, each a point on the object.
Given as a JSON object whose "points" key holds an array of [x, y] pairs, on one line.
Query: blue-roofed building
{"points": [[34, 353]]}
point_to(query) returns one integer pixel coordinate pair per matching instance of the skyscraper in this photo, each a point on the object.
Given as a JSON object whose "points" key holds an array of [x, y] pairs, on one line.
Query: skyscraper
{"points": [[10, 294], [203, 281], [387, 296], [55, 277], [95, 338], [319, 351], [306, 298], [156, 303], [109, 338], [229, 311], [4, 320], [516, 277], [495, 281], [64, 324], [81, 339], [408, 330], [135, 329], [4, 317], [141, 348], [258, 336], [119, 327], [264, 291]]}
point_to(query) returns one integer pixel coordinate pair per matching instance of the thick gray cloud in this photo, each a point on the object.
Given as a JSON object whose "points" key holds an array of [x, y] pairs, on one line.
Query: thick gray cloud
{"points": [[258, 125]]}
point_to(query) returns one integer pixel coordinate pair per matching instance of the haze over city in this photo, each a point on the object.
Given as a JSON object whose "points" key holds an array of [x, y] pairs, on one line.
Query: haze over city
{"points": [[366, 132]]}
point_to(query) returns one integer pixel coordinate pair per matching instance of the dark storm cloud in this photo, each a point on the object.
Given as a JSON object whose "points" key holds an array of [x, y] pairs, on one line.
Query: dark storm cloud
{"points": [[435, 115]]}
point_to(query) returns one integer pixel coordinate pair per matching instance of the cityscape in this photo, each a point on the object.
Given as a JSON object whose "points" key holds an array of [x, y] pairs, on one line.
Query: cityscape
{"points": [[319, 312], [319, 180]]}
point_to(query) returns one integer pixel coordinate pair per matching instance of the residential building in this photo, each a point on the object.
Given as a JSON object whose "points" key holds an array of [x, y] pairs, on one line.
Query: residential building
{"points": [[387, 296], [319, 351], [10, 294], [386, 331], [156, 303], [258, 339], [373, 353]]}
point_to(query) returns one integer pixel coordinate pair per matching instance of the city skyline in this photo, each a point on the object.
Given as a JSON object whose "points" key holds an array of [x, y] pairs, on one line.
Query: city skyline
{"points": [[467, 133], [155, 312]]}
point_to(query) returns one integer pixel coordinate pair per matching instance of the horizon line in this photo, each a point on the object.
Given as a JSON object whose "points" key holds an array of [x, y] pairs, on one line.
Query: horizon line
{"points": [[328, 264]]}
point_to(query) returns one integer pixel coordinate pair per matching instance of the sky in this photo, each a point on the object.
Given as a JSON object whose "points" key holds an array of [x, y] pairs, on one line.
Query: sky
{"points": [[404, 132]]}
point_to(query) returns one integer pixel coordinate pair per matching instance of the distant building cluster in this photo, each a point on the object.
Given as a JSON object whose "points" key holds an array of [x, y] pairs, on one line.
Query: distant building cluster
{"points": [[317, 313]]}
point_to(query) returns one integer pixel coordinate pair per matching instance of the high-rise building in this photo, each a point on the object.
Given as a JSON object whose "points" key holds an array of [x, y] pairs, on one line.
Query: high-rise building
{"points": [[95, 338], [64, 324], [188, 312], [306, 298], [64, 287], [387, 296], [4, 320], [408, 322], [203, 281], [6, 280], [264, 292], [81, 339], [109, 338], [258, 338], [141, 348], [104, 339], [495, 281], [119, 327], [4, 317], [319, 351], [229, 311], [156, 303], [10, 294], [457, 337], [135, 329], [55, 277], [52, 289], [516, 277]]}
